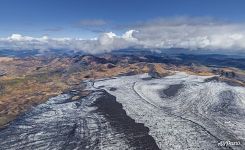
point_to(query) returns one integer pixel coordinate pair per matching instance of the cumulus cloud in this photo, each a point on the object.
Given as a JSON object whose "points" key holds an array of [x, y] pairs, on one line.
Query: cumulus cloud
{"points": [[188, 33], [191, 34], [104, 43]]}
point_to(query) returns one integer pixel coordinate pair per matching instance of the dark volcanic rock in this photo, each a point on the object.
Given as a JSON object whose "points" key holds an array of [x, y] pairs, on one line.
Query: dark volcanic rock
{"points": [[154, 74], [212, 79], [1, 88], [110, 65], [93, 59], [130, 73], [113, 89], [227, 74], [136, 134], [2, 73], [172, 90]]}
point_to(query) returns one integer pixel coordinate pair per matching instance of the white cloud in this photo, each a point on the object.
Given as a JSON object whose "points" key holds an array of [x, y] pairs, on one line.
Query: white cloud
{"points": [[188, 33], [191, 34], [104, 43]]}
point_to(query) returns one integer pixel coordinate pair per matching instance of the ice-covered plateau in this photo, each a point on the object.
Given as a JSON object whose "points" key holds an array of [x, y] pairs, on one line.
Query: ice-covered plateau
{"points": [[176, 112], [183, 111]]}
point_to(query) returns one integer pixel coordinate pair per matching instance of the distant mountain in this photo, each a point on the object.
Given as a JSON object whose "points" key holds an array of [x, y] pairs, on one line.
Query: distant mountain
{"points": [[18, 53], [168, 56]]}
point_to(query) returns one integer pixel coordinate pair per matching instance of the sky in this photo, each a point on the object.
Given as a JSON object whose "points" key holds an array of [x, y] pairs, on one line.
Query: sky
{"points": [[105, 25]]}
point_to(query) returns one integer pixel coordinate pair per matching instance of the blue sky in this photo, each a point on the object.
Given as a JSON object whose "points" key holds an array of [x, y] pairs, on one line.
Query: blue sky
{"points": [[105, 25], [61, 18]]}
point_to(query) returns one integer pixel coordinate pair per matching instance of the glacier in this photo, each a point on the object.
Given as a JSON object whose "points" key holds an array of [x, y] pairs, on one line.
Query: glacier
{"points": [[179, 111], [197, 116]]}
